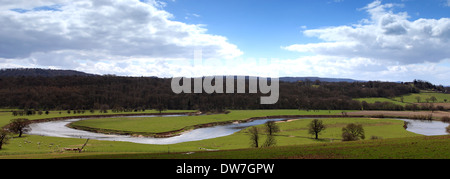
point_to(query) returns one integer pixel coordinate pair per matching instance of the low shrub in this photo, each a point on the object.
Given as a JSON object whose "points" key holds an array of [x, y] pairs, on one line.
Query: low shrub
{"points": [[353, 132], [445, 119], [375, 137]]}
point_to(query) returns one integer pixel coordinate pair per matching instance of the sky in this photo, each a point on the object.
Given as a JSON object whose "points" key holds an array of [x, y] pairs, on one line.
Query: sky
{"points": [[385, 40]]}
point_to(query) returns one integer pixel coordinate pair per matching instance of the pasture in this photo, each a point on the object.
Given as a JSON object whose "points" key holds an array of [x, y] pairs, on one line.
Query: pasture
{"points": [[423, 98], [292, 133]]}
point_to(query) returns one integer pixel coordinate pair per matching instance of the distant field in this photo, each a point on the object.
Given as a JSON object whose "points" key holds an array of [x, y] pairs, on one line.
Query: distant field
{"points": [[441, 99], [374, 100], [405, 114], [411, 98]]}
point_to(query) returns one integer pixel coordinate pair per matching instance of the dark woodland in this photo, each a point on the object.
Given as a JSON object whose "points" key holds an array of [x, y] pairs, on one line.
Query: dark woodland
{"points": [[115, 92]]}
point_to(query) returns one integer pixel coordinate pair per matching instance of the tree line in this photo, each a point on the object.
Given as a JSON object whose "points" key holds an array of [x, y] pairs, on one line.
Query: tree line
{"points": [[136, 93]]}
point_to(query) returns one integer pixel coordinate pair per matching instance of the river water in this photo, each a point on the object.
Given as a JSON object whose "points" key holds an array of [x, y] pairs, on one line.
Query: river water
{"points": [[59, 129], [428, 128]]}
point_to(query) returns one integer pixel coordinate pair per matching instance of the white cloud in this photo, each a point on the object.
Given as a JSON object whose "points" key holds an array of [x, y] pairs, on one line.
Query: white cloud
{"points": [[364, 69], [63, 33], [27, 4], [386, 46], [385, 36], [140, 39]]}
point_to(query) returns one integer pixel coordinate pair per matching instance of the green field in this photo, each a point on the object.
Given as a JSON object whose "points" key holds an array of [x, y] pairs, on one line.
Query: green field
{"points": [[166, 124], [6, 114], [293, 133], [437, 147], [374, 100], [411, 98]]}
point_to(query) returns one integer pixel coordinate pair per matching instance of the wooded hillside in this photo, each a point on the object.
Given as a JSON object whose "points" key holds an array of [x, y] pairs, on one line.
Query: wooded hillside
{"points": [[114, 92]]}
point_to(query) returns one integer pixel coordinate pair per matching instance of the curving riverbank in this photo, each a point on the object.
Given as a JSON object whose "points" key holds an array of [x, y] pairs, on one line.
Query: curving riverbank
{"points": [[178, 132], [173, 133], [186, 128], [60, 129]]}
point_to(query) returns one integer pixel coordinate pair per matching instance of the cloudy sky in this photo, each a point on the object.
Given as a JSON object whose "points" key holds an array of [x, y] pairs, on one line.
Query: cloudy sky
{"points": [[389, 40]]}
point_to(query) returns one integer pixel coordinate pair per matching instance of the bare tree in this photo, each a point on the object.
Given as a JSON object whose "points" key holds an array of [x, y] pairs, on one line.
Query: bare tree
{"points": [[160, 105], [270, 141], [19, 126], [315, 127], [3, 137], [272, 127], [434, 99], [254, 137], [418, 98]]}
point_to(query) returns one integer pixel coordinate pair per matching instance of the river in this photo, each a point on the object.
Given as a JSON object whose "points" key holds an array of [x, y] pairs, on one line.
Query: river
{"points": [[428, 128], [59, 129]]}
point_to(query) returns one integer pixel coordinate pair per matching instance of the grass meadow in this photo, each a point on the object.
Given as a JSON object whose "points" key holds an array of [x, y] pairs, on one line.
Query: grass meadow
{"points": [[436, 147], [293, 134], [411, 98]]}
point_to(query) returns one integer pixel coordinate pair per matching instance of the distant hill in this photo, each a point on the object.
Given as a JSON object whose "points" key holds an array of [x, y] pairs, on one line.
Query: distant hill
{"points": [[51, 73], [40, 72], [312, 79], [296, 79]]}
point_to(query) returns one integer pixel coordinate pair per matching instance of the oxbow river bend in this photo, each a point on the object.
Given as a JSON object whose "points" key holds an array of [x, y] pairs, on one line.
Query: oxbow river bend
{"points": [[59, 129]]}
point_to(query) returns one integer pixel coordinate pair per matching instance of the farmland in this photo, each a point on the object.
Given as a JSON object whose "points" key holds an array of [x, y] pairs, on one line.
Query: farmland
{"points": [[397, 148], [293, 134], [166, 124], [115, 98], [424, 97], [415, 98]]}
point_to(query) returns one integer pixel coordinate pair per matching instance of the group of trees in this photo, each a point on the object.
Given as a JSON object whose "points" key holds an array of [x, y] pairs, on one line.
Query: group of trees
{"points": [[113, 92], [29, 112], [351, 132], [425, 85], [270, 128]]}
